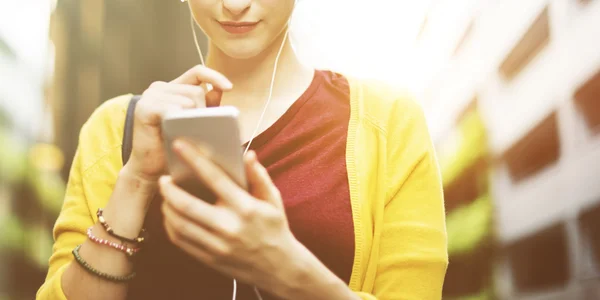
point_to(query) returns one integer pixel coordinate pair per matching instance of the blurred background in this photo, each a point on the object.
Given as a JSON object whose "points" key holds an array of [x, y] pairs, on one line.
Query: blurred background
{"points": [[511, 90]]}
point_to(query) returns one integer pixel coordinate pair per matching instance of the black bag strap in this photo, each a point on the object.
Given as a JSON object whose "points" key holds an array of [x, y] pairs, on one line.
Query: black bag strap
{"points": [[128, 129]]}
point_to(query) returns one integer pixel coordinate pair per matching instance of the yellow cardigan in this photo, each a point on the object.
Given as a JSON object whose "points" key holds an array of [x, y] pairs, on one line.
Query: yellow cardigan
{"points": [[395, 191]]}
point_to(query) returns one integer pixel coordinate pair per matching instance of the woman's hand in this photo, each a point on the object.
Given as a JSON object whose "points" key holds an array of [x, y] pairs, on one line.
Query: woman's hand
{"points": [[148, 160], [138, 179], [244, 235]]}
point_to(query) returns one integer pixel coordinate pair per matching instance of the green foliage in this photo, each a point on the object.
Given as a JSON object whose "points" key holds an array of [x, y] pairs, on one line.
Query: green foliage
{"points": [[50, 190], [32, 239], [470, 144], [13, 160], [469, 225], [12, 235], [486, 294]]}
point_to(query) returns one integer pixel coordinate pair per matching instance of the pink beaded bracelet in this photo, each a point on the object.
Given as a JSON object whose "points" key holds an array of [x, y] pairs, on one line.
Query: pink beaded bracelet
{"points": [[120, 247]]}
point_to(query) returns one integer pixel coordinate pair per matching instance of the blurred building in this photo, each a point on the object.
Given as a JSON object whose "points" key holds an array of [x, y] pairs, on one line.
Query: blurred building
{"points": [[515, 111]]}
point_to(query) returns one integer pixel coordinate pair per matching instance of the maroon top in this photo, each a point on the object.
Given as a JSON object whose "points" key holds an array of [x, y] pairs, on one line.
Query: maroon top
{"points": [[304, 152]]}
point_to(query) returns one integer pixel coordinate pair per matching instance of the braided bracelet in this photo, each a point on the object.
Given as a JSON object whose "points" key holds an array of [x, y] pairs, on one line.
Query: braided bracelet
{"points": [[97, 273], [110, 231], [120, 247]]}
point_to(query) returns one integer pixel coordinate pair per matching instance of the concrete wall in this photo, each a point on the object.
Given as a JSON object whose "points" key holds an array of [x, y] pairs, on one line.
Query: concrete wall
{"points": [[561, 192]]}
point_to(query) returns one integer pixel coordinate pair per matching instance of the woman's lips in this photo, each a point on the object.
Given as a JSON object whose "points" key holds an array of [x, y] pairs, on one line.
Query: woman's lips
{"points": [[238, 27]]}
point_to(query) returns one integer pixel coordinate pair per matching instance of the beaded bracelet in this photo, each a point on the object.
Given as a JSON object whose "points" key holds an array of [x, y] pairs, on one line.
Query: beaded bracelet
{"points": [[110, 231], [97, 273], [120, 247]]}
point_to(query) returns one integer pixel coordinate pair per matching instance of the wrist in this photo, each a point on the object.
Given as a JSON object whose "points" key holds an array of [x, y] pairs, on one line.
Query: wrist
{"points": [[130, 172], [123, 223], [135, 190], [126, 210], [306, 277]]}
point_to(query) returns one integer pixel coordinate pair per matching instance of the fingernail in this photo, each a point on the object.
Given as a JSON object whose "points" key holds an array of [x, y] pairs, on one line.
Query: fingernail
{"points": [[251, 155], [179, 145], [255, 158], [203, 151], [163, 179]]}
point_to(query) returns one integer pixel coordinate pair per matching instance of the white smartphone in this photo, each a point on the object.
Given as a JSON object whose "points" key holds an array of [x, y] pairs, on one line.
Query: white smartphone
{"points": [[216, 131]]}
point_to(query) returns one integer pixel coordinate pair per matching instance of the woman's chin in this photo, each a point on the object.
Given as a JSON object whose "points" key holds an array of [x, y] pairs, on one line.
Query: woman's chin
{"points": [[241, 49]]}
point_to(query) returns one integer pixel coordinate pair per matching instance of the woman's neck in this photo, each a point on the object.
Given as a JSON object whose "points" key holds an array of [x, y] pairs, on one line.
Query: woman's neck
{"points": [[251, 77]]}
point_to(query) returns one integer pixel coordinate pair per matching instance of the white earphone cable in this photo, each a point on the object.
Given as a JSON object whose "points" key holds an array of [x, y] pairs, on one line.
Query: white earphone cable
{"points": [[193, 25], [262, 115], [234, 289]]}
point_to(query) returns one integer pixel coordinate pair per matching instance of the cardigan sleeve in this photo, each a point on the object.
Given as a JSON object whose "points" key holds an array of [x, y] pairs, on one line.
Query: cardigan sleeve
{"points": [[68, 233], [92, 175], [413, 254]]}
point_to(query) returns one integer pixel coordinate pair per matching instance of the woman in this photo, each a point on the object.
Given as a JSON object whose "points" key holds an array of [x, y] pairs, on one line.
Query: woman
{"points": [[346, 202]]}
